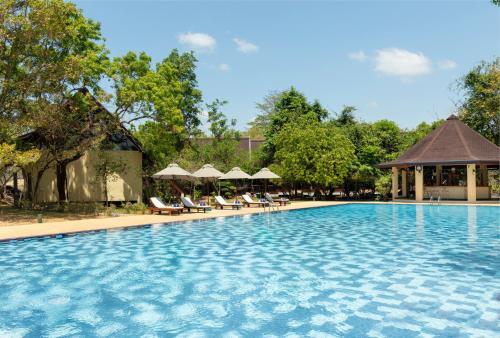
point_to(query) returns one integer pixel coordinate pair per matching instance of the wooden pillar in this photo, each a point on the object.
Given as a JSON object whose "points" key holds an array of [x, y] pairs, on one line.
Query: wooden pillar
{"points": [[483, 169], [439, 170], [471, 182], [394, 183], [419, 183], [404, 183]]}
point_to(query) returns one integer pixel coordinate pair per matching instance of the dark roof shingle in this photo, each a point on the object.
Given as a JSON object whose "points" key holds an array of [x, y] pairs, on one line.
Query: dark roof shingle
{"points": [[452, 143]]}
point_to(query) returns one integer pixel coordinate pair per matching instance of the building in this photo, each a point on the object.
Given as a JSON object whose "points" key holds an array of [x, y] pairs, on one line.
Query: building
{"points": [[245, 143], [451, 163], [82, 184]]}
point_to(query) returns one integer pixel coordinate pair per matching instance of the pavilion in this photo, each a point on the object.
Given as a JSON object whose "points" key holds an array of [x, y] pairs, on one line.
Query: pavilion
{"points": [[451, 163]]}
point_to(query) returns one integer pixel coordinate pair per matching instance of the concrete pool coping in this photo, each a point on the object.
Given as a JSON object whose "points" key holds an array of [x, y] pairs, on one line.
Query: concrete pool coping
{"points": [[52, 229]]}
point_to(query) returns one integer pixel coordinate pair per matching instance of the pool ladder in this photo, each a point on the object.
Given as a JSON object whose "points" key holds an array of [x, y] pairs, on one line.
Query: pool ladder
{"points": [[438, 201], [271, 207]]}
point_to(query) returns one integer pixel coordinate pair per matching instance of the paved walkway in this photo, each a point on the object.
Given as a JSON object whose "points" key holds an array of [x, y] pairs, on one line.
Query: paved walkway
{"points": [[68, 227], [84, 225]]}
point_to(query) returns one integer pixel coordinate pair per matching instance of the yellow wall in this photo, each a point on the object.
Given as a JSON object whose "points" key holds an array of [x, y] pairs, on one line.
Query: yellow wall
{"points": [[83, 187], [455, 192]]}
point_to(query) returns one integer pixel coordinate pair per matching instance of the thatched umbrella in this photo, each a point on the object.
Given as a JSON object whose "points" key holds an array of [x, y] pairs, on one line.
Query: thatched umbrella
{"points": [[208, 174], [265, 174], [173, 172], [235, 174]]}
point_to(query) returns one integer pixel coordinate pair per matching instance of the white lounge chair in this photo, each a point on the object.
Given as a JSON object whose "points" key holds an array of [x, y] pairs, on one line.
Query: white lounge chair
{"points": [[158, 206], [281, 201], [247, 200], [221, 202], [188, 204]]}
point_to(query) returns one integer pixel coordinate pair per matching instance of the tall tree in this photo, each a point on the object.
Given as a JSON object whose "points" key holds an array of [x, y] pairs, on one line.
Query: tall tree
{"points": [[164, 98], [166, 93], [289, 106], [480, 109], [346, 116], [49, 51], [313, 153]]}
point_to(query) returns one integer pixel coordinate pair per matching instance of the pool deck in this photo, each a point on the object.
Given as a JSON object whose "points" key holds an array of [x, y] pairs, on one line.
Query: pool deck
{"points": [[123, 221], [97, 224]]}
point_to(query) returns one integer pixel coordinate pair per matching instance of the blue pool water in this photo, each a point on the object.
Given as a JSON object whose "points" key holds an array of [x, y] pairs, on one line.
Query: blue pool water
{"points": [[344, 271]]}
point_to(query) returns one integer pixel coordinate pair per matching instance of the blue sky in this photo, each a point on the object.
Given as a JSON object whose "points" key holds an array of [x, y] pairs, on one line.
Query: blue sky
{"points": [[394, 60]]}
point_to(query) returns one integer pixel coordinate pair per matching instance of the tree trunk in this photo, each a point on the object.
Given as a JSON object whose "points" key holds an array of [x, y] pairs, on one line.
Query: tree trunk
{"points": [[28, 186], [61, 177], [16, 193], [106, 192]]}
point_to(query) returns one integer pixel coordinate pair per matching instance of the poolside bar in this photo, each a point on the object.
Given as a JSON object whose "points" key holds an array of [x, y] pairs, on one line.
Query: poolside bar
{"points": [[453, 162]]}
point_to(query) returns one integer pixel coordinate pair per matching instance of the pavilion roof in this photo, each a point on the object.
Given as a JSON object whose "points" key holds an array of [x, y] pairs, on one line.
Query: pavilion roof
{"points": [[452, 143]]}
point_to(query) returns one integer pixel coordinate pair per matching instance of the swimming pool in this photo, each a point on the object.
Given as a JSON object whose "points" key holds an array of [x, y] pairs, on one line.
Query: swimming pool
{"points": [[352, 270]]}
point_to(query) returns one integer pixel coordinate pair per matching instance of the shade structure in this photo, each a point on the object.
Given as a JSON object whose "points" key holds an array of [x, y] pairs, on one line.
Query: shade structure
{"points": [[172, 172], [452, 143], [207, 172], [265, 174], [235, 174]]}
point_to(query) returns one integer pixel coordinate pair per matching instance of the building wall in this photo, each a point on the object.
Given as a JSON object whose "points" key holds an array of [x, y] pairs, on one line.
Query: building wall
{"points": [[83, 186], [455, 192]]}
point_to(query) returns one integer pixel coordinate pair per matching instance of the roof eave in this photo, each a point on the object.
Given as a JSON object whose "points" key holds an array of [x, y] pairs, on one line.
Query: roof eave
{"points": [[433, 163]]}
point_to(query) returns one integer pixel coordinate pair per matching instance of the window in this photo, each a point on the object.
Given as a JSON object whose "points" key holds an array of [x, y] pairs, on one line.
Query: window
{"points": [[454, 176]]}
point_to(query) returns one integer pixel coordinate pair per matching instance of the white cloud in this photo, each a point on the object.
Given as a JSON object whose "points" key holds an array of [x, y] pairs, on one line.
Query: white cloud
{"points": [[402, 63], [245, 46], [358, 56], [373, 104], [199, 41], [224, 67], [447, 64]]}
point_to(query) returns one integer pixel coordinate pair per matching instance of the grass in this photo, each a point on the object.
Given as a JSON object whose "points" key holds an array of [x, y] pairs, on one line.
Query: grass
{"points": [[15, 216]]}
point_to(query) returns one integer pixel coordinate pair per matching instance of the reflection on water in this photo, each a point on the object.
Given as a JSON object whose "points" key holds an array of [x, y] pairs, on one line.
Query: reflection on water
{"points": [[419, 220], [394, 216], [471, 224]]}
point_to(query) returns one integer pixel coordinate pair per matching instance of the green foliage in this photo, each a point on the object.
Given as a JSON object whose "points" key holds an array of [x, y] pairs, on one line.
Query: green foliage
{"points": [[166, 94], [47, 48], [166, 97], [346, 116], [221, 150], [411, 137], [313, 153], [289, 106], [383, 185], [481, 107], [220, 127]]}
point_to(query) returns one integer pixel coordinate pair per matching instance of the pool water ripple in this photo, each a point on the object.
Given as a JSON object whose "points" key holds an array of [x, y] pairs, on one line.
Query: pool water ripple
{"points": [[343, 271]]}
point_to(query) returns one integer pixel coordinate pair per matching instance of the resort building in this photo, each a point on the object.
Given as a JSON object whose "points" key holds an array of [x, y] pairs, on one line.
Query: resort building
{"points": [[82, 176], [82, 184], [453, 162]]}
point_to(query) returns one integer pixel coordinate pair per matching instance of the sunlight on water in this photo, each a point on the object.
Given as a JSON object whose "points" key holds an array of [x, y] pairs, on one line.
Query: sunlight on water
{"points": [[351, 271]]}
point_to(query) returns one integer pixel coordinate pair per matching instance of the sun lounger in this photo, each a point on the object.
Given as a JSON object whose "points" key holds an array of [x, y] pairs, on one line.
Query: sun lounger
{"points": [[248, 201], [158, 206], [281, 201], [188, 204], [221, 202]]}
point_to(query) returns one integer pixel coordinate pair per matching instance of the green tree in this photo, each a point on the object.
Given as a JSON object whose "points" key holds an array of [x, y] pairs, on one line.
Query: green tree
{"points": [[480, 109], [346, 116], [289, 106], [166, 93], [47, 47], [10, 158], [49, 51], [313, 153]]}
